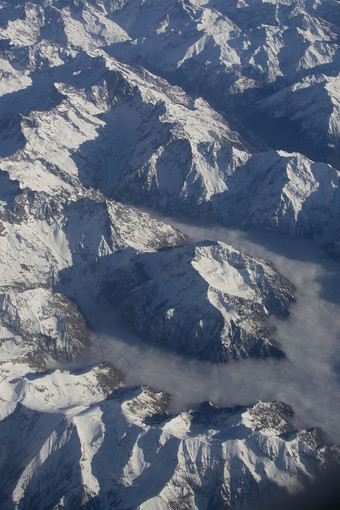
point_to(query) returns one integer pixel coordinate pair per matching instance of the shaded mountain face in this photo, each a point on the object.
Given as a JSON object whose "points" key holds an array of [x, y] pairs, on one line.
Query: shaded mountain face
{"points": [[225, 113], [206, 301]]}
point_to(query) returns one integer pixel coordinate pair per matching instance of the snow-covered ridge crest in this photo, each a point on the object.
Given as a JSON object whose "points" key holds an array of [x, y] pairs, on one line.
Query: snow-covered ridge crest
{"points": [[54, 246], [134, 426]]}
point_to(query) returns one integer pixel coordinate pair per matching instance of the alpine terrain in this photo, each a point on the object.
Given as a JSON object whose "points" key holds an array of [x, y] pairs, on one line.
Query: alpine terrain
{"points": [[122, 121]]}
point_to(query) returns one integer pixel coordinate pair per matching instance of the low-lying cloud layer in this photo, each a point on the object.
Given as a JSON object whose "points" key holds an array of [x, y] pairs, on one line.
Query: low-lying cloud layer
{"points": [[308, 379]]}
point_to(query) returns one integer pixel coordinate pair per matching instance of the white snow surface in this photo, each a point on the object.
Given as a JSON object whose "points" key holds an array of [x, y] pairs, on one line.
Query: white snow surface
{"points": [[192, 455]]}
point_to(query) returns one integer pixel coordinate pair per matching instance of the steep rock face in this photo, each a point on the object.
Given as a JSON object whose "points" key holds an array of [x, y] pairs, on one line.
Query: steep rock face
{"points": [[38, 324], [27, 430], [52, 246], [333, 249], [103, 234], [207, 301], [204, 458]]}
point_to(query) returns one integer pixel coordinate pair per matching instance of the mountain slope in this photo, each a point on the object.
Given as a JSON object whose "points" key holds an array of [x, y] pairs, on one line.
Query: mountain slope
{"points": [[236, 53], [199, 459], [206, 301], [96, 122]]}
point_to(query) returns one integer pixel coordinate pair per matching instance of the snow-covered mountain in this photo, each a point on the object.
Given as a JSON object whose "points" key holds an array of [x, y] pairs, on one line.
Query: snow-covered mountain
{"points": [[126, 451], [52, 248], [206, 301], [97, 122], [213, 111], [236, 53]]}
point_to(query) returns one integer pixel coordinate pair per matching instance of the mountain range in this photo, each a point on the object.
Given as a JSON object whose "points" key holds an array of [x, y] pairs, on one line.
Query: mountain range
{"points": [[120, 118]]}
